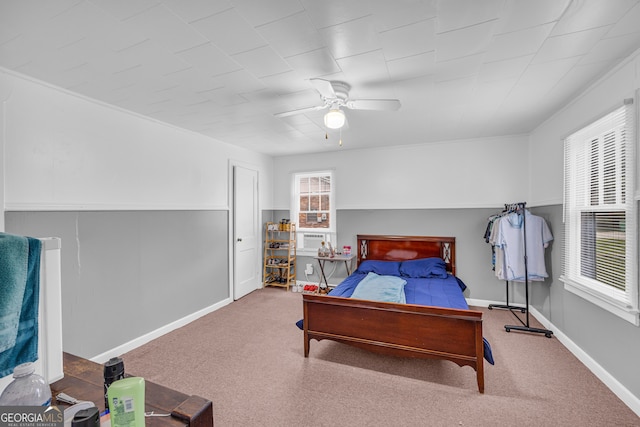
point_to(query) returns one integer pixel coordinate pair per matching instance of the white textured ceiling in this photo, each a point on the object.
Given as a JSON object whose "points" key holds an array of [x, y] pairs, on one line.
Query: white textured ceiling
{"points": [[223, 68]]}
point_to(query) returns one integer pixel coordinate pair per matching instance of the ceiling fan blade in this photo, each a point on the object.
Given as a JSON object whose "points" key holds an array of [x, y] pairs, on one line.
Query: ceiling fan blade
{"points": [[373, 104], [324, 87], [301, 111]]}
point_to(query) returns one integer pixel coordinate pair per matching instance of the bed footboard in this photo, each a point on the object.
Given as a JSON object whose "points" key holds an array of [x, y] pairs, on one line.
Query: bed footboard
{"points": [[397, 329]]}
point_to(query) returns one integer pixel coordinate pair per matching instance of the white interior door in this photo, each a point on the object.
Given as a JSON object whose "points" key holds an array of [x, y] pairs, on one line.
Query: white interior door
{"points": [[246, 271]]}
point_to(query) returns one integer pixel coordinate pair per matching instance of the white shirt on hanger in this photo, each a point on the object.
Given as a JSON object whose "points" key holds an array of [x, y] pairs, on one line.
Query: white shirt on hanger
{"points": [[510, 239]]}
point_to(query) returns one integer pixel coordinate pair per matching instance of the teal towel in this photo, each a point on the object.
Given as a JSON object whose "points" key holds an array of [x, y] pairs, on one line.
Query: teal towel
{"points": [[19, 291], [381, 288], [14, 262]]}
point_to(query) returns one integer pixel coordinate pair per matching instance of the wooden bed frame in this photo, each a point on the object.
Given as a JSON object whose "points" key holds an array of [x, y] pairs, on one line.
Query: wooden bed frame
{"points": [[399, 329]]}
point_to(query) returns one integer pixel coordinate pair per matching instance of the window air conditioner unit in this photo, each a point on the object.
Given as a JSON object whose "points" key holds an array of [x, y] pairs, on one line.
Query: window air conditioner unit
{"points": [[312, 241]]}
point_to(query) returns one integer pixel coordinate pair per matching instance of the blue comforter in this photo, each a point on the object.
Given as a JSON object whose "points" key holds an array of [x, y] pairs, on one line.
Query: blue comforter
{"points": [[423, 291], [431, 291]]}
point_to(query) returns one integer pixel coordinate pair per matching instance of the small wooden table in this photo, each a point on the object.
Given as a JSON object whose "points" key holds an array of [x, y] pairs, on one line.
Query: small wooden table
{"points": [[84, 380], [348, 259]]}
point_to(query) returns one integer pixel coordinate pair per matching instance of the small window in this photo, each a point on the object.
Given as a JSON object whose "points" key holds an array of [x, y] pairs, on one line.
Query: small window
{"points": [[601, 241], [313, 207]]}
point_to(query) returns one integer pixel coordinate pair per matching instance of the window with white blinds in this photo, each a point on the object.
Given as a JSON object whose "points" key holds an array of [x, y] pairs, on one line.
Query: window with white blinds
{"points": [[600, 261]]}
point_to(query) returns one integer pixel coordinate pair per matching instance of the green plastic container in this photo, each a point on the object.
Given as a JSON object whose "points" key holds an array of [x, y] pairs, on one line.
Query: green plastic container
{"points": [[126, 402]]}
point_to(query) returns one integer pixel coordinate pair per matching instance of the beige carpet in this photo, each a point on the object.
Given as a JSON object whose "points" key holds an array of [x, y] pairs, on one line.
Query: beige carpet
{"points": [[248, 359]]}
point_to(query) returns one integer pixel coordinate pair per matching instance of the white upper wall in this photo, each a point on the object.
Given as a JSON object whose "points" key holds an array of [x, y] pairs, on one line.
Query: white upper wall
{"points": [[64, 151], [547, 148], [475, 173], [484, 172]]}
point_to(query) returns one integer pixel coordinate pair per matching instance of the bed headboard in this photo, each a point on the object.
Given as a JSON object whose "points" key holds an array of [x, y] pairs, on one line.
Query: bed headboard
{"points": [[399, 248]]}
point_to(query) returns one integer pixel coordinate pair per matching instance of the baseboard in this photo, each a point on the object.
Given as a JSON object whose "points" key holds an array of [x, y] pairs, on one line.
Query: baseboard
{"points": [[482, 302], [632, 401], [312, 282], [135, 343]]}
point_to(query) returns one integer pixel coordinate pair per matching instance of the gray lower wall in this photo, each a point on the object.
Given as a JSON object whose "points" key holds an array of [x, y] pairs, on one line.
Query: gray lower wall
{"points": [[127, 273], [473, 254]]}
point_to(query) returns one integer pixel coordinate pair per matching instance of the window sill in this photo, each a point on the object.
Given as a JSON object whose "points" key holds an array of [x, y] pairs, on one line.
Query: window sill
{"points": [[629, 314], [307, 252]]}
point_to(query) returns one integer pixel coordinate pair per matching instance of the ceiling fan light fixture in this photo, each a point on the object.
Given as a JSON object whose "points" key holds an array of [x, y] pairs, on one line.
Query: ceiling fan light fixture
{"points": [[334, 119]]}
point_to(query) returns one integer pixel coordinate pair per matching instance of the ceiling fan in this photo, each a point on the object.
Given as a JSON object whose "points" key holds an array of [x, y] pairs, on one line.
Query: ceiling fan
{"points": [[335, 95]]}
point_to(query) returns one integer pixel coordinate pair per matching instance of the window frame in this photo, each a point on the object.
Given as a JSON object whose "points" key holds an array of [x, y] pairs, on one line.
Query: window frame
{"points": [[329, 234], [622, 303]]}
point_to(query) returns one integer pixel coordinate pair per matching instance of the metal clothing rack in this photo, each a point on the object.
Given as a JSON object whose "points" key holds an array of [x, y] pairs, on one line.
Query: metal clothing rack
{"points": [[524, 324]]}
